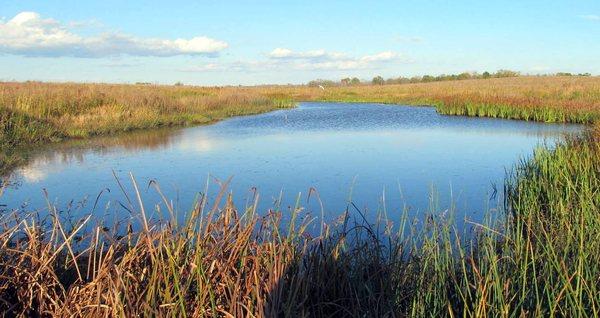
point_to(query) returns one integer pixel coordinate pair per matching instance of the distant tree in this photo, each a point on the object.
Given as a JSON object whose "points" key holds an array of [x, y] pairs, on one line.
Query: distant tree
{"points": [[354, 81], [178, 84], [563, 74], [428, 78], [486, 74], [415, 79], [378, 80], [345, 81], [321, 82], [463, 76], [506, 73]]}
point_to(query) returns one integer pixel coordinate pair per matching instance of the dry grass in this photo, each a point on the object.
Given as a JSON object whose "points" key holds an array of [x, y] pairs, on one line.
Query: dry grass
{"points": [[33, 112], [82, 110], [217, 262]]}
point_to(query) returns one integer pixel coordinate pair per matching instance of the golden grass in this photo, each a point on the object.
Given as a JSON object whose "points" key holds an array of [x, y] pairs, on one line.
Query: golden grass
{"points": [[82, 110], [32, 113]]}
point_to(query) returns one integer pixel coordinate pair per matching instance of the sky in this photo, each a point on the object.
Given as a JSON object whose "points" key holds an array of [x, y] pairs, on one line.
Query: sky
{"points": [[283, 42]]}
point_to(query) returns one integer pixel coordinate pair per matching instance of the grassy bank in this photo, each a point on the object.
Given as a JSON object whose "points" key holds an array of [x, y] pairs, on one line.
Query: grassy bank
{"points": [[548, 99], [542, 260], [33, 113]]}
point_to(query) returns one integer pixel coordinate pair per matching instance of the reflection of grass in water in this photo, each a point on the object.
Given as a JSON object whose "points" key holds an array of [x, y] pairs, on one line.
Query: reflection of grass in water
{"points": [[540, 261], [73, 151]]}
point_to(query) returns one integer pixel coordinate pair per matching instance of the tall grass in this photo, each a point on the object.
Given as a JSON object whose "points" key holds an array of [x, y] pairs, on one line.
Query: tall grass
{"points": [[33, 113]]}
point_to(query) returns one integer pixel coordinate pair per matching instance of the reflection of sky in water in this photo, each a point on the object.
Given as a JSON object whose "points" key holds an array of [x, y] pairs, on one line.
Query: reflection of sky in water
{"points": [[335, 148]]}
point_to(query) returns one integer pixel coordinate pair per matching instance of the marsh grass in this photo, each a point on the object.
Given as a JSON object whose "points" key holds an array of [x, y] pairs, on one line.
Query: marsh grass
{"points": [[35, 112]]}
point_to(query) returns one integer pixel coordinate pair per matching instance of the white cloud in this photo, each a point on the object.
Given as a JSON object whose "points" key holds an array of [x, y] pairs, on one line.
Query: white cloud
{"points": [[323, 60], [591, 17], [29, 34], [286, 59], [281, 53], [383, 56]]}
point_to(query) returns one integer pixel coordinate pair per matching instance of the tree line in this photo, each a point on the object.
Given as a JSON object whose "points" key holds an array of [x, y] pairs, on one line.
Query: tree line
{"points": [[378, 80]]}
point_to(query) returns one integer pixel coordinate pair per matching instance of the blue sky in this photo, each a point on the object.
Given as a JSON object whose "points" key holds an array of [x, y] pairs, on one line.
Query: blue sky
{"points": [[260, 42]]}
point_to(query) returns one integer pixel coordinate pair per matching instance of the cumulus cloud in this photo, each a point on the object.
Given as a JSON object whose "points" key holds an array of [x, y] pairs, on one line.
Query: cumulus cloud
{"points": [[323, 60], [383, 56], [29, 34], [286, 59], [591, 17], [281, 53]]}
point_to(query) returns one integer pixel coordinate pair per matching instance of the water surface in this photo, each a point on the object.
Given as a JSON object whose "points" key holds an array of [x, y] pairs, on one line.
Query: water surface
{"points": [[368, 153]]}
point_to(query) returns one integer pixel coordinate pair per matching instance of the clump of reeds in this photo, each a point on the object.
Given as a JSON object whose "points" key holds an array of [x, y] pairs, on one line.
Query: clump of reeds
{"points": [[214, 262]]}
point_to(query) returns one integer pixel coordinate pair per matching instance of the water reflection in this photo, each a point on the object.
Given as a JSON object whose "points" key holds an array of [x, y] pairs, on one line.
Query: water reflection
{"points": [[54, 158], [341, 150]]}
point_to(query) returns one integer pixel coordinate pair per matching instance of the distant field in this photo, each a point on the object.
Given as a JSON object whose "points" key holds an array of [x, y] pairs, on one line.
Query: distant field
{"points": [[551, 99]]}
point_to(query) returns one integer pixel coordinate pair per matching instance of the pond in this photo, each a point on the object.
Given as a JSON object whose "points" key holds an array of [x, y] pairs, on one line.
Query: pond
{"points": [[397, 158]]}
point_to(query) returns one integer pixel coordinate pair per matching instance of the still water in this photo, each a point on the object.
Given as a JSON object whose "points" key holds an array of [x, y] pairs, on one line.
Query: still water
{"points": [[370, 154]]}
